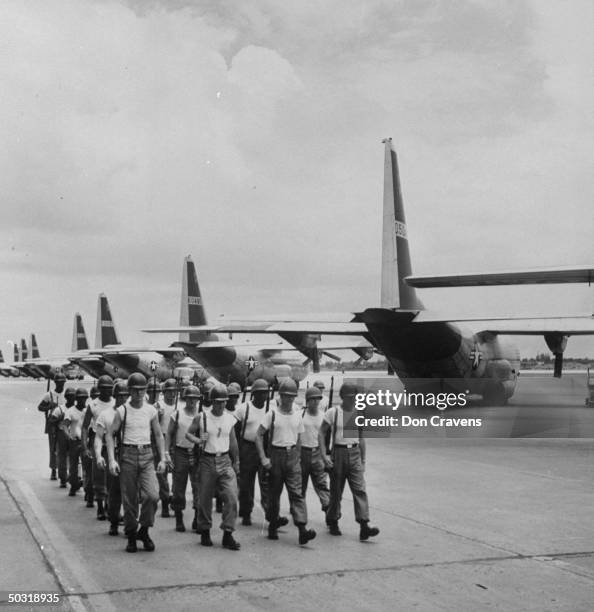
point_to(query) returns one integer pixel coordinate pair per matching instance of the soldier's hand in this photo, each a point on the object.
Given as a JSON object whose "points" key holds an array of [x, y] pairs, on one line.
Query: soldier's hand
{"points": [[203, 437], [114, 468], [169, 461], [328, 464], [161, 466], [88, 454], [101, 463], [236, 468], [266, 463]]}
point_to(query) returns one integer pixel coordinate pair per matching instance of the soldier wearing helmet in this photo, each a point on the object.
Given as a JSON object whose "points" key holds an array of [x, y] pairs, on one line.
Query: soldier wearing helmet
{"points": [[62, 443], [323, 405], [102, 426], [180, 455], [250, 416], [233, 391], [103, 401], [165, 409], [73, 418], [48, 402], [134, 422], [347, 463], [284, 427], [312, 464], [218, 466]]}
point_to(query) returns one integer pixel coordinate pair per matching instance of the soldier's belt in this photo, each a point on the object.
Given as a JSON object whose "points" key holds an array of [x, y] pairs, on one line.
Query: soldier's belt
{"points": [[284, 448], [215, 454], [353, 445], [138, 446]]}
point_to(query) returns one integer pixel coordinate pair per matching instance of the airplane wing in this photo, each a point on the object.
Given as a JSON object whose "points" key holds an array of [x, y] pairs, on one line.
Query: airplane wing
{"points": [[272, 327], [573, 274]]}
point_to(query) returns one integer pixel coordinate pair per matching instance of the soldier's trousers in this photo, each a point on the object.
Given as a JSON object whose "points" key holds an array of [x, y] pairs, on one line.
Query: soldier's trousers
{"points": [[249, 468], [74, 453], [185, 466], [347, 466], [62, 446], [286, 471], [164, 491], [99, 477], [52, 441], [137, 475], [87, 471], [216, 475], [114, 497], [312, 466]]}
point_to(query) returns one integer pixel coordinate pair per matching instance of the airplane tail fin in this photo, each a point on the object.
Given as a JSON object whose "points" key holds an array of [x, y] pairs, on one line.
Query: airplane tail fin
{"points": [[15, 346], [24, 350], [34, 348], [396, 265], [192, 309], [1, 357], [79, 336], [106, 331]]}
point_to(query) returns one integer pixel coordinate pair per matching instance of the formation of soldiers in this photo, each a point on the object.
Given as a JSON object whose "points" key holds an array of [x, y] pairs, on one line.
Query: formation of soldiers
{"points": [[120, 443]]}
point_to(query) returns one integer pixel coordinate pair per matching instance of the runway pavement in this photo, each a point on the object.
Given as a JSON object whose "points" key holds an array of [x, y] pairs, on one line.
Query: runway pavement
{"points": [[466, 524]]}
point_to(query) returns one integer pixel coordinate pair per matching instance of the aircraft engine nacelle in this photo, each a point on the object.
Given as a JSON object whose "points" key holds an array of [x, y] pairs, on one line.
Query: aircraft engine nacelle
{"points": [[364, 352], [499, 381], [557, 343]]}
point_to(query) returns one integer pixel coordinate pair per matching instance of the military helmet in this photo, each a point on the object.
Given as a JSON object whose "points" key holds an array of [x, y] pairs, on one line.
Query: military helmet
{"points": [[348, 389], [69, 392], [319, 384], [259, 385], [59, 377], [153, 386], [136, 381], [219, 393], [170, 385], [120, 388], [191, 391], [94, 392], [233, 389], [105, 381], [81, 392], [288, 387], [313, 393]]}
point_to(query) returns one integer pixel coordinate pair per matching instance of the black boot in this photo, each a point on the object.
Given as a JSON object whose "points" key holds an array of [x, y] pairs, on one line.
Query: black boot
{"points": [[100, 511], [272, 533], [229, 541], [195, 521], [333, 528], [143, 535], [62, 484], [366, 531], [90, 503], [205, 538], [53, 475], [165, 510], [305, 535], [131, 547], [179, 521], [72, 492], [282, 521], [113, 530]]}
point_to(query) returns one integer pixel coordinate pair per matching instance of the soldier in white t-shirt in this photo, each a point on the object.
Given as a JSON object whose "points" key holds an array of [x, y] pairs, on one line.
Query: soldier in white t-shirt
{"points": [[180, 454], [73, 419], [62, 442], [48, 402], [217, 467], [347, 463], [284, 427], [312, 464], [135, 420]]}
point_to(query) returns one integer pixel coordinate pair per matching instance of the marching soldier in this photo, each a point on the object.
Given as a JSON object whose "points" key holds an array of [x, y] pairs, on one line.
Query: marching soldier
{"points": [[62, 442], [102, 426], [49, 401], [217, 467], [347, 463], [233, 391], [104, 401], [135, 420], [312, 464], [250, 416], [180, 454], [73, 419], [284, 426], [323, 406]]}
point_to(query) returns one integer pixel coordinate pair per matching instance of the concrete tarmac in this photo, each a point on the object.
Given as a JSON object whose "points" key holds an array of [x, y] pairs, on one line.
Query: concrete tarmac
{"points": [[466, 524]]}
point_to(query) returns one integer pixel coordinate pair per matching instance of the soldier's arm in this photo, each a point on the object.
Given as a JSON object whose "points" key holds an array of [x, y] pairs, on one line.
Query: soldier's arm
{"points": [[85, 427], [322, 443], [158, 436], [97, 443], [45, 404], [233, 448], [260, 445], [193, 430], [109, 434]]}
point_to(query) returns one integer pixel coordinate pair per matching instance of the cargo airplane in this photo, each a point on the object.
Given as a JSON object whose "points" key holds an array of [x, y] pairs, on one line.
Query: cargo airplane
{"points": [[422, 346]]}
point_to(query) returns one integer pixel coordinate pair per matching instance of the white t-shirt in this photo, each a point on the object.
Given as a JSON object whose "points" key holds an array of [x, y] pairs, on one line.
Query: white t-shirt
{"points": [[287, 427], [255, 418], [54, 397], [96, 407], [168, 410], [105, 419], [138, 423], [329, 418], [311, 426], [183, 423], [218, 430], [73, 418]]}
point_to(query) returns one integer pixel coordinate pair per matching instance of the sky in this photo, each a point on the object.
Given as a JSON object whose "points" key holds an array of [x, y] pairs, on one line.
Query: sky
{"points": [[249, 136]]}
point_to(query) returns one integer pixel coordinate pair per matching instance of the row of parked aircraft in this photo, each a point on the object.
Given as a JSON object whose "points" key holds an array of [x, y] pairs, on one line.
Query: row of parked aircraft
{"points": [[425, 349]]}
